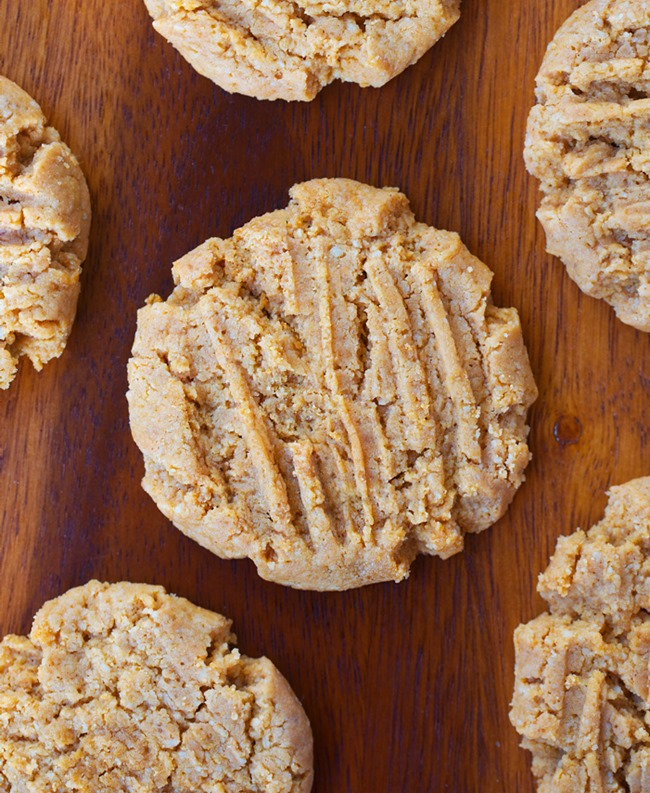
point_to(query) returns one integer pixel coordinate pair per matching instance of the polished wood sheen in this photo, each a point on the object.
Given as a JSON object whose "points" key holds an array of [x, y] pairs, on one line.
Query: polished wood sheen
{"points": [[407, 686]]}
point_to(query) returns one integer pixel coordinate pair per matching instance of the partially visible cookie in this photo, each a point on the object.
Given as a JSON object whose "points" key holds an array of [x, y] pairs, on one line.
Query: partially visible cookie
{"points": [[123, 687], [582, 681], [44, 225], [588, 142], [280, 49], [331, 391]]}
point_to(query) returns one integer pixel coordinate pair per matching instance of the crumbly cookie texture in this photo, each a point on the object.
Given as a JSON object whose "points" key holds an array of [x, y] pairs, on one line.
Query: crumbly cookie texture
{"points": [[44, 225], [124, 687], [582, 684], [331, 391], [588, 142], [281, 49]]}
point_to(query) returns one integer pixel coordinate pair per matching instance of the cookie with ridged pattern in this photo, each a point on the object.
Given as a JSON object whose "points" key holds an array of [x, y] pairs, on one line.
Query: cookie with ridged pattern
{"points": [[44, 227], [123, 687], [582, 689], [588, 142], [331, 391], [290, 49]]}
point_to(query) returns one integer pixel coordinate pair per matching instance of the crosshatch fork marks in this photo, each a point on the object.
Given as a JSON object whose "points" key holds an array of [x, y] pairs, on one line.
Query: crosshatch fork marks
{"points": [[335, 367]]}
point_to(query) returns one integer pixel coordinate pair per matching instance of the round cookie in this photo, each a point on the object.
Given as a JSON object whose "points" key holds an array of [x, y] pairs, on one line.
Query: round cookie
{"points": [[588, 142], [331, 391], [582, 690], [44, 226], [124, 687], [279, 49]]}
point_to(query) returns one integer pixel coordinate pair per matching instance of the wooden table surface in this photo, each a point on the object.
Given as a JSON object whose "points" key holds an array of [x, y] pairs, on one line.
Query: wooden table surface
{"points": [[407, 686]]}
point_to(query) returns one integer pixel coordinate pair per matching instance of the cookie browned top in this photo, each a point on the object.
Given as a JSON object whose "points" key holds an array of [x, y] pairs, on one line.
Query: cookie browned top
{"points": [[124, 687], [582, 690], [281, 49], [331, 390], [588, 142], [44, 224]]}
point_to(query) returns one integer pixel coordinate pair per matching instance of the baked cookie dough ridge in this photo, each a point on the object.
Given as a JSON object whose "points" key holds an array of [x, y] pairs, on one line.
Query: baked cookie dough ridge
{"points": [[385, 347], [582, 692], [289, 50], [588, 144], [104, 662], [44, 226]]}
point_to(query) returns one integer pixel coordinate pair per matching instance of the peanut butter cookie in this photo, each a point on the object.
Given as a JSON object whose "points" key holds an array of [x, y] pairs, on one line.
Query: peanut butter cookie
{"points": [[588, 142], [44, 225], [331, 391], [582, 688], [280, 49], [123, 687]]}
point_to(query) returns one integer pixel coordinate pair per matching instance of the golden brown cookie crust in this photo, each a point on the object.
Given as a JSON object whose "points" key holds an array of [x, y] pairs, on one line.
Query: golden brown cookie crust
{"points": [[124, 687], [582, 688], [280, 49], [44, 226], [331, 391], [589, 145]]}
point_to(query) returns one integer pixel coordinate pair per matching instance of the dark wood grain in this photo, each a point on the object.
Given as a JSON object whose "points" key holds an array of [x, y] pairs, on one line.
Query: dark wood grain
{"points": [[407, 686]]}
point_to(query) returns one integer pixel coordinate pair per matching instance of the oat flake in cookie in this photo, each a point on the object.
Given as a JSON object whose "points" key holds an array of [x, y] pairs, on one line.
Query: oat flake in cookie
{"points": [[280, 49], [331, 391], [582, 685], [44, 224], [123, 687], [588, 142]]}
